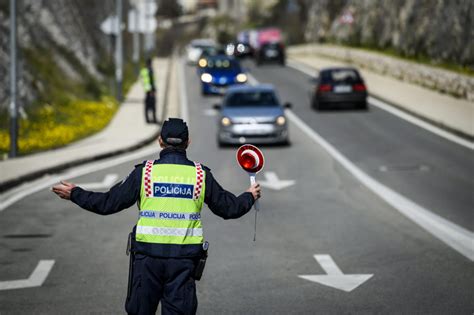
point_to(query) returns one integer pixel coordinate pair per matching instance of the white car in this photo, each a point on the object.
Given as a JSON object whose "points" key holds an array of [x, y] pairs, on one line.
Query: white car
{"points": [[195, 48]]}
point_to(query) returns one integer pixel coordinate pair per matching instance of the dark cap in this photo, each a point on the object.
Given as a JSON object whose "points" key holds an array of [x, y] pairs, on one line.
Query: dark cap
{"points": [[174, 132]]}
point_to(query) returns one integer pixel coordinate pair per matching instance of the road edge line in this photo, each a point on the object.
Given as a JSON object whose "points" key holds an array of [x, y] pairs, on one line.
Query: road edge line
{"points": [[413, 118], [451, 234]]}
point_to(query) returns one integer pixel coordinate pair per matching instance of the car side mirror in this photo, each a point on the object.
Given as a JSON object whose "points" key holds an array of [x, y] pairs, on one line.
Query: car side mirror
{"points": [[288, 105], [217, 106]]}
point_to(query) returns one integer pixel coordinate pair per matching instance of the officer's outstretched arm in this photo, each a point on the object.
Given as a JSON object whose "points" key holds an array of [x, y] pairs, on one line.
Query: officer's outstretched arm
{"points": [[121, 196], [224, 203]]}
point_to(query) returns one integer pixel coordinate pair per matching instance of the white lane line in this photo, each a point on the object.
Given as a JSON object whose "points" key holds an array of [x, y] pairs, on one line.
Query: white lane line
{"points": [[453, 235], [183, 97], [107, 182], [420, 123], [36, 279], [334, 277], [395, 111], [42, 183]]}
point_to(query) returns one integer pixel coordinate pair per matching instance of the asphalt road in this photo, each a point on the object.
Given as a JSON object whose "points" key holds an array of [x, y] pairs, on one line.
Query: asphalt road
{"points": [[327, 211], [432, 171]]}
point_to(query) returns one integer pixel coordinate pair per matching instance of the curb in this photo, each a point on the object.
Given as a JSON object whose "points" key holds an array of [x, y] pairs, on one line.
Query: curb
{"points": [[9, 184], [451, 130]]}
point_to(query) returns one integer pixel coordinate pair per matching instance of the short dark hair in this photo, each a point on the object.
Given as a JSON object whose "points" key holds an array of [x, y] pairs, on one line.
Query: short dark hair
{"points": [[182, 145]]}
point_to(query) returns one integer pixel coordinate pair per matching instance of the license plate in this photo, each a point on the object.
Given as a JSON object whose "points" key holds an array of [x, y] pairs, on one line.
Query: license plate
{"points": [[342, 89], [271, 53], [253, 129]]}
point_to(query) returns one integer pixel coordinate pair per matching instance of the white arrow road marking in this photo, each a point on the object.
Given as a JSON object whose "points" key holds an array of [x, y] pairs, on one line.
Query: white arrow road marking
{"points": [[36, 279], [334, 277], [273, 182], [108, 181]]}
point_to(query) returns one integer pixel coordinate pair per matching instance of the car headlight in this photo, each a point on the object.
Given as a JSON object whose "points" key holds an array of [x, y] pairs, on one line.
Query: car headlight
{"points": [[206, 78], [281, 120], [225, 121], [202, 62], [241, 77]]}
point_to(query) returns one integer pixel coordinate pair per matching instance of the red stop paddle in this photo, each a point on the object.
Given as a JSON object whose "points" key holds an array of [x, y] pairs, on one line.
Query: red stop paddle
{"points": [[251, 159]]}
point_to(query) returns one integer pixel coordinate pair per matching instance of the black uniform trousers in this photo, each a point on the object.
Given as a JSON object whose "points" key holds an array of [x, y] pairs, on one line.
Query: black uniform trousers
{"points": [[150, 107], [169, 280]]}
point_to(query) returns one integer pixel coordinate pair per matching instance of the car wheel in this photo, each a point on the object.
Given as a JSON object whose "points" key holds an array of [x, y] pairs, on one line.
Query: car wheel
{"points": [[316, 105], [286, 143], [363, 106], [221, 144]]}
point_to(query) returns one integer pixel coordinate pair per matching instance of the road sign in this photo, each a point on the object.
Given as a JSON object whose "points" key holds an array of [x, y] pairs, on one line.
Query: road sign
{"points": [[110, 25], [334, 277], [141, 22], [347, 18]]}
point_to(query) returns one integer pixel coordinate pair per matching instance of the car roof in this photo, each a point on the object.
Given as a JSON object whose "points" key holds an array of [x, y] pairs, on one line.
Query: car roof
{"points": [[251, 88], [220, 57], [338, 69], [203, 41]]}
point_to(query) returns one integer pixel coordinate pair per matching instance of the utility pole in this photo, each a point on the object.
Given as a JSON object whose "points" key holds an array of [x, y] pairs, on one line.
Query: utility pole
{"points": [[119, 50], [13, 99], [136, 41]]}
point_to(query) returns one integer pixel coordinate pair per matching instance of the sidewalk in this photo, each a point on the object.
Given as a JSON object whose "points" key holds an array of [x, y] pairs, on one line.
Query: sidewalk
{"points": [[127, 131], [453, 114]]}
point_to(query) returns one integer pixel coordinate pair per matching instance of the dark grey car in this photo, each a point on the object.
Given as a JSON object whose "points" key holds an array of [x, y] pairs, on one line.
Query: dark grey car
{"points": [[339, 88], [252, 114]]}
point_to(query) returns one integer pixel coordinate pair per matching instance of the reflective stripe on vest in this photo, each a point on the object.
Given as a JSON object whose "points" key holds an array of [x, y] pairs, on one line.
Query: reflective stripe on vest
{"points": [[160, 231], [169, 215], [171, 199]]}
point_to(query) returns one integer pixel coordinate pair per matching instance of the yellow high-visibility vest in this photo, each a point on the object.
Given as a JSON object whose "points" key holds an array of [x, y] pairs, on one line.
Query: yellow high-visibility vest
{"points": [[145, 75], [171, 198]]}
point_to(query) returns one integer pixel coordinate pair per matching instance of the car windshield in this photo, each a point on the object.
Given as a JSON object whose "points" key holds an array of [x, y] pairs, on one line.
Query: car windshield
{"points": [[271, 46], [202, 45], [222, 64], [340, 76], [250, 99]]}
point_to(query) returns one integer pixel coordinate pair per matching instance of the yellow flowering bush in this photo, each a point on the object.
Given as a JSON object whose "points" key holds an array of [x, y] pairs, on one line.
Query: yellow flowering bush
{"points": [[54, 126]]}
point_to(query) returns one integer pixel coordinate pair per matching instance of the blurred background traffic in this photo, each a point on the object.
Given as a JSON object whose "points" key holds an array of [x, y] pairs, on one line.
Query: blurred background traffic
{"points": [[66, 50], [364, 110]]}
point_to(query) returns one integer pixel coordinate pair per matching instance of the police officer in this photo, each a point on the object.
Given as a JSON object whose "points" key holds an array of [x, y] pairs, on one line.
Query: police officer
{"points": [[167, 241], [148, 81]]}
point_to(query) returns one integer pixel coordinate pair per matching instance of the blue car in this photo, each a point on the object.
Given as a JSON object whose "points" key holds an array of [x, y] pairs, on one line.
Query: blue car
{"points": [[219, 73], [252, 114]]}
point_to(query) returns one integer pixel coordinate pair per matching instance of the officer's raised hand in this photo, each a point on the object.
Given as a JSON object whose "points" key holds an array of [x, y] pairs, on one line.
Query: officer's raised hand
{"points": [[255, 190], [63, 189]]}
